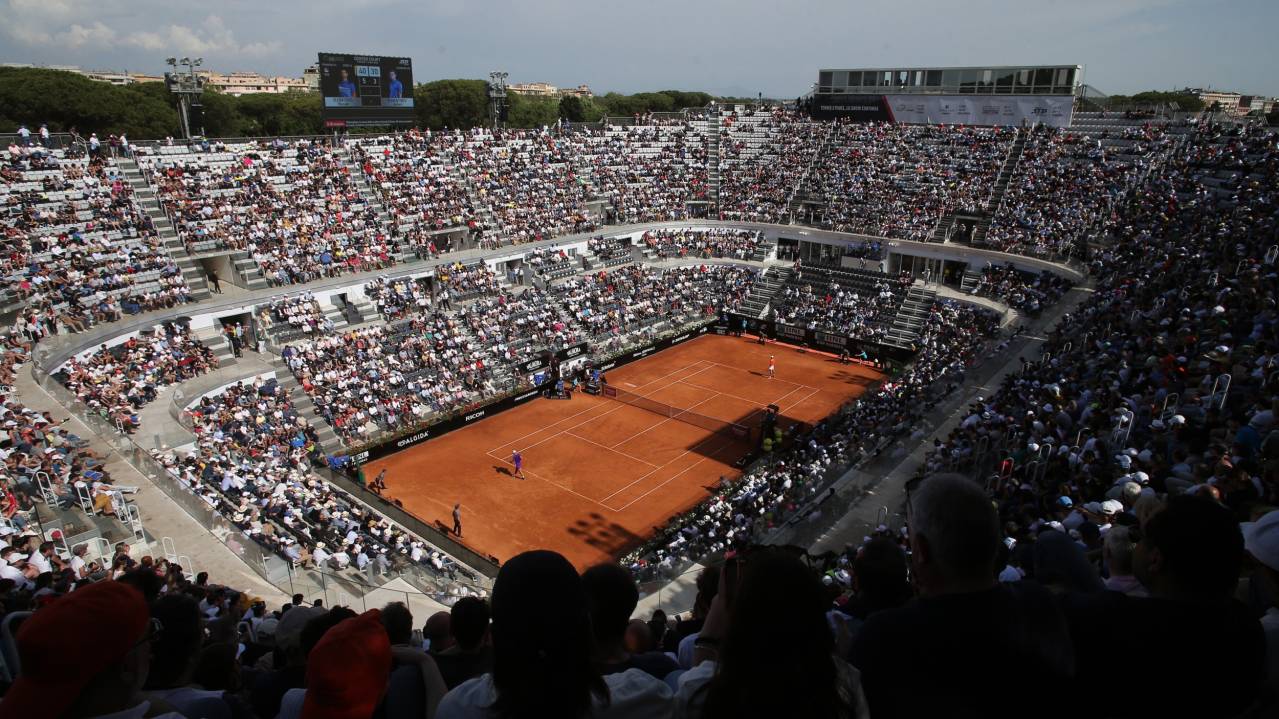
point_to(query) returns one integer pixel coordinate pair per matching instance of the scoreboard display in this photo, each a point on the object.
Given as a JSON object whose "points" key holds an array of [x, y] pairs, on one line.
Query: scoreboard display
{"points": [[366, 90]]}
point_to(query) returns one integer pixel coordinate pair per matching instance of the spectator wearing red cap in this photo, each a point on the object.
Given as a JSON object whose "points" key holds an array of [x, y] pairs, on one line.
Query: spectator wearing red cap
{"points": [[77, 663], [347, 671]]}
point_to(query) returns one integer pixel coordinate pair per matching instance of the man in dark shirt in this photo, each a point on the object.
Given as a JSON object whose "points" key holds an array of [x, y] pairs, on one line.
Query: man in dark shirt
{"points": [[967, 647], [1190, 649], [612, 594], [470, 654]]}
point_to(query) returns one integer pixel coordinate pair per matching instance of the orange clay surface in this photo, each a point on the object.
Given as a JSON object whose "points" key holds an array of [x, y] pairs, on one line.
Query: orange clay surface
{"points": [[603, 476]]}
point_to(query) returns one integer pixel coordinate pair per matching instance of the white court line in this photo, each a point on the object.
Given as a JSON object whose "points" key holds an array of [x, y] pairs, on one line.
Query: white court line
{"points": [[615, 409], [527, 473], [815, 390], [642, 431], [672, 477], [515, 442], [798, 387], [609, 449], [799, 402], [668, 463]]}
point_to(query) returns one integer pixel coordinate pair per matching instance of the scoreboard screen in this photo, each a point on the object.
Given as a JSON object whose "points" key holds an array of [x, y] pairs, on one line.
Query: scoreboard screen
{"points": [[366, 90]]}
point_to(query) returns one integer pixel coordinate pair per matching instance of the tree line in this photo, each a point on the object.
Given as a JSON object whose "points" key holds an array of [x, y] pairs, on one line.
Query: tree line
{"points": [[67, 101]]}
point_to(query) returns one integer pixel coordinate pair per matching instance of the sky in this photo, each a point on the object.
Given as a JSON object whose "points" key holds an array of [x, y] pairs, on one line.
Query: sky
{"points": [[726, 47]]}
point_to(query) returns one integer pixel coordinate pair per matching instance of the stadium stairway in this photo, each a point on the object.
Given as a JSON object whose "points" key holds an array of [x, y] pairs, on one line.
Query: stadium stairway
{"points": [[712, 164], [370, 195], [941, 233], [911, 315], [1005, 178], [764, 250], [761, 296], [217, 341], [249, 271], [144, 197], [329, 440], [970, 281], [797, 196]]}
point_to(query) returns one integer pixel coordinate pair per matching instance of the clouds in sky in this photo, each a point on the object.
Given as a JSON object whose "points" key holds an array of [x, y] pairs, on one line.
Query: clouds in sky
{"points": [[735, 47]]}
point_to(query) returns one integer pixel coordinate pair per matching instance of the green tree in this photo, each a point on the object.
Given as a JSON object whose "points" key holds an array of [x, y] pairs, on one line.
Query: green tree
{"points": [[1183, 100], [572, 108], [66, 100], [452, 104], [528, 111]]}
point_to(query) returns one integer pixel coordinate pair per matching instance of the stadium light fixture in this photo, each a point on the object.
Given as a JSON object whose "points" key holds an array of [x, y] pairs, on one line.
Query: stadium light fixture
{"points": [[173, 61], [185, 61]]}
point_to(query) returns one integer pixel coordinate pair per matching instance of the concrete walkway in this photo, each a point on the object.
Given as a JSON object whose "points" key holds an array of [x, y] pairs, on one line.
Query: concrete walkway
{"points": [[160, 517], [159, 429], [876, 494]]}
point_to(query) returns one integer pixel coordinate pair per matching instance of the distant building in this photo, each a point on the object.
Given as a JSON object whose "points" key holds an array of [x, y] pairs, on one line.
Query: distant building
{"points": [[312, 77], [245, 83], [534, 89], [115, 77], [1233, 103], [545, 89], [579, 91]]}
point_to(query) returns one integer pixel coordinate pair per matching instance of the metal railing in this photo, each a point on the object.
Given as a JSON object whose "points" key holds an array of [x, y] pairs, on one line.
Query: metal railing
{"points": [[269, 565]]}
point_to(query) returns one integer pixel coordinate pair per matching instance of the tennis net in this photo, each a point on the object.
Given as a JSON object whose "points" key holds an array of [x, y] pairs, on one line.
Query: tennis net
{"points": [[675, 413]]}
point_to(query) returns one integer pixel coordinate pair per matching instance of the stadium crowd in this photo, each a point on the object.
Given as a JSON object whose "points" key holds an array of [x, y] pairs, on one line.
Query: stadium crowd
{"points": [[435, 359], [898, 180], [252, 463], [862, 306], [1119, 553], [1023, 291], [117, 381], [77, 250], [1067, 183], [718, 243], [293, 207]]}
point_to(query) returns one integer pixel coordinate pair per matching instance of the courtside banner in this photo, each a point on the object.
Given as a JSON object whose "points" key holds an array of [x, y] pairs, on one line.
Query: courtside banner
{"points": [[858, 108], [475, 414], [569, 353], [825, 341], [457, 421], [650, 349], [1053, 110]]}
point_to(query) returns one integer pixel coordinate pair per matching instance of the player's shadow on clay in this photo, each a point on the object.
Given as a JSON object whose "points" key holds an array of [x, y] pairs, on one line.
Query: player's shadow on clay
{"points": [[502, 470]]}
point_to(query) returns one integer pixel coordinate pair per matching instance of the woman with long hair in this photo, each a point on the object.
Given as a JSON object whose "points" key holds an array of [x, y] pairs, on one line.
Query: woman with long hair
{"points": [[541, 633], [767, 649]]}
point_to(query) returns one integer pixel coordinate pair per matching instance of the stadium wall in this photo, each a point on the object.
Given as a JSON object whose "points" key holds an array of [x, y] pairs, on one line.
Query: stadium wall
{"points": [[1054, 110]]}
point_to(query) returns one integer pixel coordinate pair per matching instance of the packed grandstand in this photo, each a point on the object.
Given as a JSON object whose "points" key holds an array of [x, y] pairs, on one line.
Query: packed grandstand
{"points": [[1093, 532]]}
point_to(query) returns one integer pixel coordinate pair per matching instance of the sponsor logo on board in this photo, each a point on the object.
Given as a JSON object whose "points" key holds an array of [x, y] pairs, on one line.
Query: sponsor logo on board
{"points": [[412, 438]]}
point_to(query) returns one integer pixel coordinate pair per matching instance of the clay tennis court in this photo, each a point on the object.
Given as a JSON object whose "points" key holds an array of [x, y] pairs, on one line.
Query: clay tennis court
{"points": [[603, 475]]}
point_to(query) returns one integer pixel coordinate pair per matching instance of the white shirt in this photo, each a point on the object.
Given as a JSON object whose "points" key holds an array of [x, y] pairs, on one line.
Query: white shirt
{"points": [[8, 571], [40, 562], [633, 694]]}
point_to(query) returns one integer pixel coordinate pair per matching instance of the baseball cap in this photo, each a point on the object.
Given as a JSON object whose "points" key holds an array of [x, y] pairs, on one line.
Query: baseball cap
{"points": [[69, 642], [347, 671], [1064, 501], [1261, 539], [1111, 506]]}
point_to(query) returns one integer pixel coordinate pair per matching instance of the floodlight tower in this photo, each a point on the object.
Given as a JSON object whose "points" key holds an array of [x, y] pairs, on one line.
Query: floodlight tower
{"points": [[497, 96], [187, 86]]}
